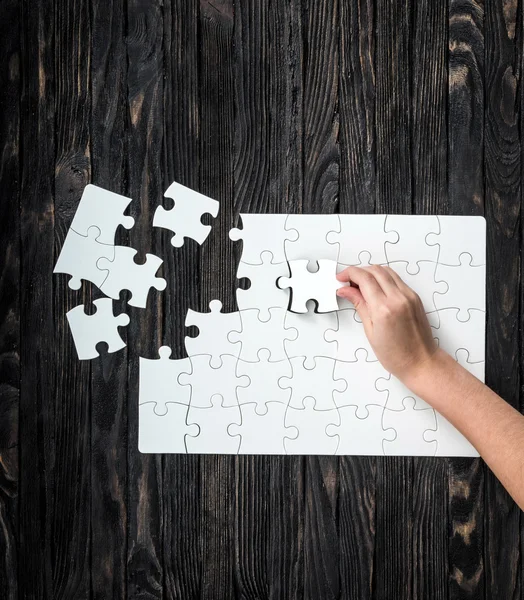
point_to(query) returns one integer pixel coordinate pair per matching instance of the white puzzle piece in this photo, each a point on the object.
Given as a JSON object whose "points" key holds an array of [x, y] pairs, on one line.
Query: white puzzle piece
{"points": [[206, 381], [410, 426], [320, 286], [349, 337], [263, 292], [361, 233], [164, 434], [360, 437], [448, 439], [79, 257], [158, 381], [309, 237], [104, 210], [430, 287], [411, 247], [263, 433], [262, 233], [466, 287], [256, 334], [452, 334], [360, 377], [184, 219], [318, 383], [213, 423], [89, 330], [126, 274], [452, 242], [397, 392], [213, 330], [310, 342], [311, 424], [264, 376]]}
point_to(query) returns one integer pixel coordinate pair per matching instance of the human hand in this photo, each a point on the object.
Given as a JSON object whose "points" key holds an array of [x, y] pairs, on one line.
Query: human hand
{"points": [[393, 317]]}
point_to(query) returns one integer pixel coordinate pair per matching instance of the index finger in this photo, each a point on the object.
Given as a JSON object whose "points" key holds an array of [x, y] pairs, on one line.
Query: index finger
{"points": [[369, 286]]}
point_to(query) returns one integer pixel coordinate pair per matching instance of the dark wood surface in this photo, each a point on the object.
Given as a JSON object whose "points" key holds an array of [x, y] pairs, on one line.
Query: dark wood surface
{"points": [[408, 106]]}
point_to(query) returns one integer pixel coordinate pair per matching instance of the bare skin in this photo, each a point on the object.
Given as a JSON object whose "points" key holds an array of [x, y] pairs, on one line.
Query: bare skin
{"points": [[400, 335]]}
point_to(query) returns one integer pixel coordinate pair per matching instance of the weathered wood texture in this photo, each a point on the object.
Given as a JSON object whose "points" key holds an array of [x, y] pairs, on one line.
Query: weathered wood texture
{"points": [[409, 106]]}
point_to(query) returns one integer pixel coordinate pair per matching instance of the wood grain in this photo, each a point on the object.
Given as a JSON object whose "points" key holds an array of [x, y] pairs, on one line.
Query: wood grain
{"points": [[10, 88], [305, 107]]}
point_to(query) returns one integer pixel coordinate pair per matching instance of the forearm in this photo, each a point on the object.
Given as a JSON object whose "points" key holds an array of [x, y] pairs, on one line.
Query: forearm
{"points": [[494, 427]]}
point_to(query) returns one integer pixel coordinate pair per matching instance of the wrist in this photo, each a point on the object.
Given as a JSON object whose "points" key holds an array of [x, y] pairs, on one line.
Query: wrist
{"points": [[426, 372]]}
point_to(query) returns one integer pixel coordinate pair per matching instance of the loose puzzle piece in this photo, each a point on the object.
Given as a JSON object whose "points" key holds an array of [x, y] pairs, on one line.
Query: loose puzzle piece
{"points": [[158, 382], [103, 209], [263, 434], [263, 292], [213, 423], [453, 334], [89, 330], [126, 274], [184, 219], [263, 376], [411, 246], [317, 383], [360, 377], [213, 331], [320, 286], [410, 426], [397, 392], [425, 283], [349, 337], [262, 233], [448, 439], [256, 334], [452, 242], [79, 257], [310, 341], [206, 381], [164, 434], [466, 287], [311, 424], [309, 240], [360, 437], [362, 233], [475, 368]]}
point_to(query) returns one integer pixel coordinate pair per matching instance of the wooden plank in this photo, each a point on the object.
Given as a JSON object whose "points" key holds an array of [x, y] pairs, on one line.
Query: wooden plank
{"points": [[144, 32], [10, 88], [69, 427], [356, 499], [217, 273], [181, 507], [502, 179], [465, 196], [109, 396], [320, 195], [38, 383]]}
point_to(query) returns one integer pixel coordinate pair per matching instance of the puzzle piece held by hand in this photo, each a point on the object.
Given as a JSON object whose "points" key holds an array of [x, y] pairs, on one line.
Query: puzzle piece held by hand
{"points": [[126, 274], [89, 330], [184, 219]]}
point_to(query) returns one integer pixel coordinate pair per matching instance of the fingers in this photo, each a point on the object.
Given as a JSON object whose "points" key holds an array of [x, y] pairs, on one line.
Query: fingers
{"points": [[369, 287], [354, 295]]}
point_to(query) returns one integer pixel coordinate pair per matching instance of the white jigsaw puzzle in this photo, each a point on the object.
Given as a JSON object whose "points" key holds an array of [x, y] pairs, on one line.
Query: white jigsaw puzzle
{"points": [[102, 326], [263, 292], [158, 381], [125, 274], [184, 219], [213, 330], [309, 382], [79, 257], [320, 286], [164, 434], [104, 210]]}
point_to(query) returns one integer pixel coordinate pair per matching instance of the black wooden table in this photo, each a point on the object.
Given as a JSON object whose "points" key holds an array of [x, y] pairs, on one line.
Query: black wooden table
{"points": [[408, 106]]}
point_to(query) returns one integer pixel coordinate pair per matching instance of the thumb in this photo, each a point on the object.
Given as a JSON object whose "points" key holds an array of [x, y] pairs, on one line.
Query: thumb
{"points": [[354, 295]]}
